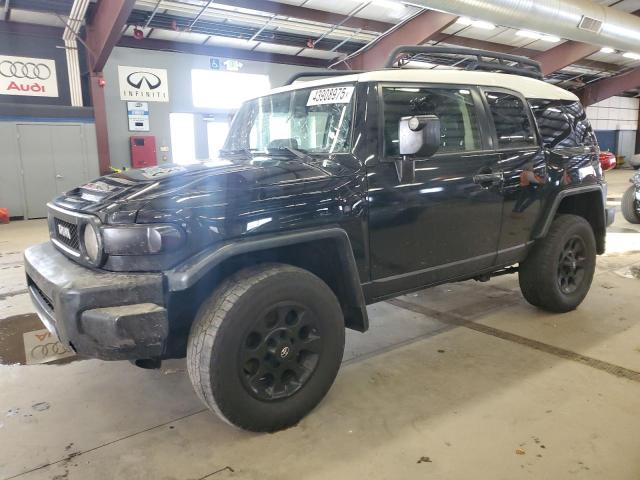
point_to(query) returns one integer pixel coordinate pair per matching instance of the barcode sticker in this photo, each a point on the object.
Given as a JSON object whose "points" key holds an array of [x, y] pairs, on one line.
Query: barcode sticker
{"points": [[330, 96]]}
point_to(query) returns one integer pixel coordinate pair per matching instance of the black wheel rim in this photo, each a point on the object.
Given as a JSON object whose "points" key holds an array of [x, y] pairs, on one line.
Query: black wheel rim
{"points": [[571, 265], [280, 352]]}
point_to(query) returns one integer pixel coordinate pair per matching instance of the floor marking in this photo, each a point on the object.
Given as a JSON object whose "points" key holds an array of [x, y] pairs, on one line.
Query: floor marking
{"points": [[77, 454], [452, 319]]}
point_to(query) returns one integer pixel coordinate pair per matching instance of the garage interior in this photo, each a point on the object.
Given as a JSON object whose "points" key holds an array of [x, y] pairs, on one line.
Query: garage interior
{"points": [[463, 380]]}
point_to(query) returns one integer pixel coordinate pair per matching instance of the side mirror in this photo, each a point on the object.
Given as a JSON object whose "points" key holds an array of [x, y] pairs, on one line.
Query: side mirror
{"points": [[419, 136]]}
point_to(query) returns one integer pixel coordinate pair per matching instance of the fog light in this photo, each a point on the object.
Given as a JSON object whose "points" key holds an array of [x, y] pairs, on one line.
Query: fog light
{"points": [[91, 243]]}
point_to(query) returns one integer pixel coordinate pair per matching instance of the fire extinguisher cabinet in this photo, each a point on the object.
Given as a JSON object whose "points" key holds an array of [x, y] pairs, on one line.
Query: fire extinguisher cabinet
{"points": [[143, 151]]}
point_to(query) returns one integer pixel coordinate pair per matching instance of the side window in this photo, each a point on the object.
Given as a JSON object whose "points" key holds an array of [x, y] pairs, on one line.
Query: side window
{"points": [[512, 123], [455, 109], [562, 123]]}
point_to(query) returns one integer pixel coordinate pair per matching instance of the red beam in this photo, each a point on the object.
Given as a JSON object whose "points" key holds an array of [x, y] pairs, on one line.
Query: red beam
{"points": [[564, 55], [415, 31], [100, 112], [310, 14], [609, 87], [211, 51], [105, 30]]}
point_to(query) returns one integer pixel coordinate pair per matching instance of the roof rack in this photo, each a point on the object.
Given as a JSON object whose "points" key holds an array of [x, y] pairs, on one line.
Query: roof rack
{"points": [[325, 73], [484, 60]]}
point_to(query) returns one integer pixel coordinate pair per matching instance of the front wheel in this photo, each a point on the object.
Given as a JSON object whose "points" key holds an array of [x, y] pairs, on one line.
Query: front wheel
{"points": [[557, 273], [266, 347], [630, 206]]}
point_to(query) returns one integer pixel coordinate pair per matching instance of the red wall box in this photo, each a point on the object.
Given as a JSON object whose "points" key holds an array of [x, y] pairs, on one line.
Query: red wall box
{"points": [[143, 151]]}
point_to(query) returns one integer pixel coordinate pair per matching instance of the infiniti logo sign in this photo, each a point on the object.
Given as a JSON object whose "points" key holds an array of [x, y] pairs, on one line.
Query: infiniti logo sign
{"points": [[138, 79], [143, 84]]}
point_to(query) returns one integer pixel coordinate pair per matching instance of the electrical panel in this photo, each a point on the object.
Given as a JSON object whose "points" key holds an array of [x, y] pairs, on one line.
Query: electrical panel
{"points": [[143, 151]]}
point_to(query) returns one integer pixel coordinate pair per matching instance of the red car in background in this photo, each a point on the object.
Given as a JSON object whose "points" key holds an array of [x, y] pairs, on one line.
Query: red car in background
{"points": [[607, 161]]}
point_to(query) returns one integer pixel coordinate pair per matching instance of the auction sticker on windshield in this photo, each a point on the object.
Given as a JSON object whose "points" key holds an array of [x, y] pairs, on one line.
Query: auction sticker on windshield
{"points": [[330, 96]]}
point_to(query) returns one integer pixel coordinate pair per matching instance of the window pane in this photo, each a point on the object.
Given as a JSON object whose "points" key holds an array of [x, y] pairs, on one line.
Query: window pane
{"points": [[290, 119], [512, 122], [225, 90], [562, 123], [454, 108], [216, 135], [183, 138]]}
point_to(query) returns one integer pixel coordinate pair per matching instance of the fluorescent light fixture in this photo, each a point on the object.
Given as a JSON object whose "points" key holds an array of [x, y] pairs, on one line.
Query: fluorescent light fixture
{"points": [[538, 36], [484, 25], [475, 23], [632, 55], [389, 4], [607, 50]]}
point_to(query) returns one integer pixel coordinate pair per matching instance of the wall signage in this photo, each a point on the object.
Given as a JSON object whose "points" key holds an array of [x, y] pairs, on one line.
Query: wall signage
{"points": [[138, 113], [32, 77], [228, 65], [143, 84]]}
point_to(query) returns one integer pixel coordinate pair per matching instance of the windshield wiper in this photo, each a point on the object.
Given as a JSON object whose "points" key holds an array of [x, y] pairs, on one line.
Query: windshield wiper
{"points": [[241, 151], [295, 152]]}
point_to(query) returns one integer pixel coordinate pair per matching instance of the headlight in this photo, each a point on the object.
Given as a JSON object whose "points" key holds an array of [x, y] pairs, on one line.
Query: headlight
{"points": [[91, 243], [142, 239]]}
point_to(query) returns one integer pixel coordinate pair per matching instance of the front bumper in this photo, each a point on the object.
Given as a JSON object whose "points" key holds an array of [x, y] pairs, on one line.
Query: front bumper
{"points": [[112, 316]]}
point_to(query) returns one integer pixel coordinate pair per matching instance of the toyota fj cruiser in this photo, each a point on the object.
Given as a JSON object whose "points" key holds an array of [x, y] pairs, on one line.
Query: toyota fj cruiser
{"points": [[329, 195]]}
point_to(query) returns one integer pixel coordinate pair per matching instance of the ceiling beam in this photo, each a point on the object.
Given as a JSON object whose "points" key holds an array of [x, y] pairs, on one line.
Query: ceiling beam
{"points": [[105, 29], [610, 87], [568, 53], [415, 31], [563, 55], [213, 51], [310, 14]]}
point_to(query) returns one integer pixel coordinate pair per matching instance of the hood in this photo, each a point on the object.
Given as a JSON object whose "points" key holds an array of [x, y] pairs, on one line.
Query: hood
{"points": [[226, 177]]}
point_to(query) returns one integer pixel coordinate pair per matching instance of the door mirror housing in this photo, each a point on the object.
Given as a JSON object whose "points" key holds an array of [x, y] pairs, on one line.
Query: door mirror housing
{"points": [[419, 136]]}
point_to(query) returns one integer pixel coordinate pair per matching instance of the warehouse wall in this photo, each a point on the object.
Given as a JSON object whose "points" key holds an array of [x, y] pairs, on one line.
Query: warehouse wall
{"points": [[615, 121], [12, 182], [44, 46], [179, 66]]}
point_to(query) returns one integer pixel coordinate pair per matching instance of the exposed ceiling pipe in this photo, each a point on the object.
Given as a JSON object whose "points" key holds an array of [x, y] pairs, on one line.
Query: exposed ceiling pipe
{"points": [[579, 20], [72, 27]]}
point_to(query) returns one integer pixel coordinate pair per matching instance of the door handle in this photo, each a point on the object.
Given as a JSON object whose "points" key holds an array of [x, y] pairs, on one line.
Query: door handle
{"points": [[59, 176], [485, 180]]}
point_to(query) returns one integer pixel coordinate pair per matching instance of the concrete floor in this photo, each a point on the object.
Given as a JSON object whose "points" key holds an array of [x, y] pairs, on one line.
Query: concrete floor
{"points": [[457, 382]]}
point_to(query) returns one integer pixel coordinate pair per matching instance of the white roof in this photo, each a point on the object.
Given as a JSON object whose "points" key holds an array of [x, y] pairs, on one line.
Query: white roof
{"points": [[528, 87]]}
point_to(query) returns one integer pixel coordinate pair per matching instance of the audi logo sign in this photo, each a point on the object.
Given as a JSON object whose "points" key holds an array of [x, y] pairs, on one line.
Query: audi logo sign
{"points": [[32, 77], [143, 84]]}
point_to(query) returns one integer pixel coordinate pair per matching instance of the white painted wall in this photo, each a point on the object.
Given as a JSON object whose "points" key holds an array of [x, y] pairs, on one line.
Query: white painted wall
{"points": [[615, 113]]}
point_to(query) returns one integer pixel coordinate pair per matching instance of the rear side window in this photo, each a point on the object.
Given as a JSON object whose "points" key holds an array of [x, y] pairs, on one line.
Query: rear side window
{"points": [[511, 119], [563, 123], [455, 109]]}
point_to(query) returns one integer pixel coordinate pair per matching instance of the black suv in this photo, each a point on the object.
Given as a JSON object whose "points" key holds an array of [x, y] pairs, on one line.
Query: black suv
{"points": [[330, 195]]}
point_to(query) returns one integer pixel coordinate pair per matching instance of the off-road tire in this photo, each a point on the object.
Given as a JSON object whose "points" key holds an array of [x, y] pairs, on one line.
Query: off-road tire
{"points": [[539, 272], [218, 334], [629, 210]]}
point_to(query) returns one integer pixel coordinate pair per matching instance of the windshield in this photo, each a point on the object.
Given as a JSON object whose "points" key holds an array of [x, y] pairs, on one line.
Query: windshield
{"points": [[315, 121]]}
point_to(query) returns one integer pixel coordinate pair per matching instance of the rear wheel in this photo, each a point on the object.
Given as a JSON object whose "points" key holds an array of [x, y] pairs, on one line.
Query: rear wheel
{"points": [[266, 346], [557, 273], [630, 206]]}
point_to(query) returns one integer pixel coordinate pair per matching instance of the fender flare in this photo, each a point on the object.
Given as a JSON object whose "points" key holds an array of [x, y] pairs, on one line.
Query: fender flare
{"points": [[570, 192], [194, 269]]}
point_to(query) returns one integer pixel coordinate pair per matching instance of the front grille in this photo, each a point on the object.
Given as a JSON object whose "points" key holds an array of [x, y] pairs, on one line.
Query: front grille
{"points": [[46, 300], [66, 233]]}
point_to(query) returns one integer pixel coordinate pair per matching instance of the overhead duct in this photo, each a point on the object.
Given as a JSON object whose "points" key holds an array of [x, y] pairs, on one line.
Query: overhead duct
{"points": [[579, 20], [76, 17]]}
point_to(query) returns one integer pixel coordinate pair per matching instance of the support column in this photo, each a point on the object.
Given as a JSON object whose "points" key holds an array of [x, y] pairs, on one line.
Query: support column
{"points": [[100, 113]]}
